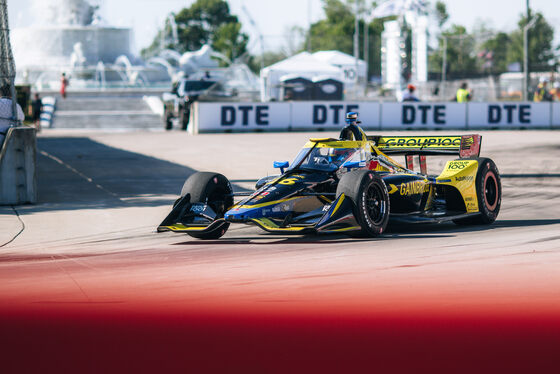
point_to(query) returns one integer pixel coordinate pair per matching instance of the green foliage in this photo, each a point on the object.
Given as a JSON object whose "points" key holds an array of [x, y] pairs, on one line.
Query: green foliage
{"points": [[541, 51], [336, 32], [498, 47], [461, 57], [466, 57], [441, 13], [206, 21], [268, 58]]}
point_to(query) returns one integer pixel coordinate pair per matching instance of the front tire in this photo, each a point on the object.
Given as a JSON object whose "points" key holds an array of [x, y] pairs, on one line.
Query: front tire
{"points": [[371, 200], [213, 189], [488, 192]]}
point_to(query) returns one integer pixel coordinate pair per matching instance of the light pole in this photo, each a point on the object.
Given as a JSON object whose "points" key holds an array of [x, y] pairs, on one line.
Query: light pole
{"points": [[356, 44], [444, 67], [526, 57]]}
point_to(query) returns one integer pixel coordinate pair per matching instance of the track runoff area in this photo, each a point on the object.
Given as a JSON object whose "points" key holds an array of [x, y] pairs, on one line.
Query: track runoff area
{"points": [[89, 285]]}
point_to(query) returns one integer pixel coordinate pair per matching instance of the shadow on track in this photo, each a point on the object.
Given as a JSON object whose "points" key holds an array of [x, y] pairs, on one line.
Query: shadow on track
{"points": [[79, 173], [418, 231]]}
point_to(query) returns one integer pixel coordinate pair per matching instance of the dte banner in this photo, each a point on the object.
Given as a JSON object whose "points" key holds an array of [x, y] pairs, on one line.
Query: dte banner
{"points": [[396, 116], [217, 117], [332, 115], [509, 115]]}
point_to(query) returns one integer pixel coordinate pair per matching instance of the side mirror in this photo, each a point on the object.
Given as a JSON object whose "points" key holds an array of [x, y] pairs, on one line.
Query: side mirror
{"points": [[281, 165], [349, 165]]}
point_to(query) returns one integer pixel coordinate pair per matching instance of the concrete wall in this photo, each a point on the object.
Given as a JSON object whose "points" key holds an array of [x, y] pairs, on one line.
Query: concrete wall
{"points": [[18, 178]]}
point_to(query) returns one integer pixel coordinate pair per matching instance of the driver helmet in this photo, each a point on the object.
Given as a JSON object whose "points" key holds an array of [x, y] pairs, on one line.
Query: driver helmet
{"points": [[337, 154], [352, 118]]}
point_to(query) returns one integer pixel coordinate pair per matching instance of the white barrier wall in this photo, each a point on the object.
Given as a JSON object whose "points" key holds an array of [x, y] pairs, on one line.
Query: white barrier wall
{"points": [[329, 115], [398, 116], [507, 115], [555, 115]]}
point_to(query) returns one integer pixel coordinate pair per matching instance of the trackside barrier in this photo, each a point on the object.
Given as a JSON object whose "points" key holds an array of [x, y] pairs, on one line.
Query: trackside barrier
{"points": [[329, 116], [18, 180], [47, 113]]}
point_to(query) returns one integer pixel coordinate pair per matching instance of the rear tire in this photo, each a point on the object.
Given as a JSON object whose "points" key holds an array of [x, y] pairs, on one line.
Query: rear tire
{"points": [[371, 200], [488, 192], [213, 189], [168, 124]]}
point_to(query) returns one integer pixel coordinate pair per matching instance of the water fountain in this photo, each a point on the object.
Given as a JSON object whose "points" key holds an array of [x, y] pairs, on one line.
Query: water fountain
{"points": [[69, 37]]}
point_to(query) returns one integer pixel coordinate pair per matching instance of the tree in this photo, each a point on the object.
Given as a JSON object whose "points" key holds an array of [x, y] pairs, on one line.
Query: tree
{"points": [[336, 32], [268, 58], [541, 52], [461, 56], [206, 21], [496, 51], [441, 13]]}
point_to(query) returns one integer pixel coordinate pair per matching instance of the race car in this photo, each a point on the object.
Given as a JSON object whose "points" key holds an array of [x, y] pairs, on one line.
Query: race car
{"points": [[348, 185]]}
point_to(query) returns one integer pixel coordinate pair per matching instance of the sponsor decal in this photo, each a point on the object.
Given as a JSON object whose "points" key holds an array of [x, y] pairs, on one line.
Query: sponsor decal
{"points": [[457, 165], [507, 113], [292, 180], [326, 208], [468, 178], [420, 142], [470, 146], [373, 165], [230, 115], [411, 113], [468, 141], [335, 113], [197, 208], [286, 207], [414, 188], [468, 198]]}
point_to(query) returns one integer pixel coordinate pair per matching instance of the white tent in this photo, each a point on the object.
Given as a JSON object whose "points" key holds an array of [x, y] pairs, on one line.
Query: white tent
{"points": [[347, 63], [303, 65]]}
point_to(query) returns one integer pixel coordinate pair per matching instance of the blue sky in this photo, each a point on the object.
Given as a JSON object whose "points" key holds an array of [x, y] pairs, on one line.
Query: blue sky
{"points": [[274, 18]]}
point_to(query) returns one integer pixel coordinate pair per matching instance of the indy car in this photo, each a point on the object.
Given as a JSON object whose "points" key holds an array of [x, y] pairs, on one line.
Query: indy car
{"points": [[348, 185]]}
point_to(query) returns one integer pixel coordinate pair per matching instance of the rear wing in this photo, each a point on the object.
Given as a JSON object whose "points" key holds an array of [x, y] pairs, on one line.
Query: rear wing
{"points": [[462, 145]]}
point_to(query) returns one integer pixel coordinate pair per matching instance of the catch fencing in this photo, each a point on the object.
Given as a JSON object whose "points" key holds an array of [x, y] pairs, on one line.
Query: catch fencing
{"points": [[329, 116]]}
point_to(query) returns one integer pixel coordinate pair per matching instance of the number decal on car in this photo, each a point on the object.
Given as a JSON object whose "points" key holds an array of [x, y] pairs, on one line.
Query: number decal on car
{"points": [[291, 181]]}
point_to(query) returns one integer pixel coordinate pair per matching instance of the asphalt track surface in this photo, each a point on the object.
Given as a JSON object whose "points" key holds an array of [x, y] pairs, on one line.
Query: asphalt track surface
{"points": [[88, 285]]}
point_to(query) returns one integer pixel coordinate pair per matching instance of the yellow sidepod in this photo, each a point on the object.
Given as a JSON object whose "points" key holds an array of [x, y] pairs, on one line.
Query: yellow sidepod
{"points": [[461, 174]]}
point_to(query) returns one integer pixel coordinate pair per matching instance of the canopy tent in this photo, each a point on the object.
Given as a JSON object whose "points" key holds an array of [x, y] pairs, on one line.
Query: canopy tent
{"points": [[347, 63], [303, 65]]}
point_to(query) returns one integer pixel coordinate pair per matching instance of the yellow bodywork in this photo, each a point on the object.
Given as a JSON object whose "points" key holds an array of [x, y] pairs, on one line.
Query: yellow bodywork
{"points": [[461, 174], [270, 225]]}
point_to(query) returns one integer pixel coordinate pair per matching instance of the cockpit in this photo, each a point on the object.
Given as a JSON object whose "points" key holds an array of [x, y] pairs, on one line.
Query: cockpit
{"points": [[327, 159]]}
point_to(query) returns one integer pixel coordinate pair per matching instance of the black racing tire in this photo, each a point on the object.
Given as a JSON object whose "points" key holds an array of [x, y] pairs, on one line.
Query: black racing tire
{"points": [[213, 189], [370, 198], [488, 192], [167, 122]]}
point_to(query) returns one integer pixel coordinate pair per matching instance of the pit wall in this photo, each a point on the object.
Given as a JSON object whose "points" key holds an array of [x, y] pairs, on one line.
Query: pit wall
{"points": [[18, 179], [329, 116]]}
